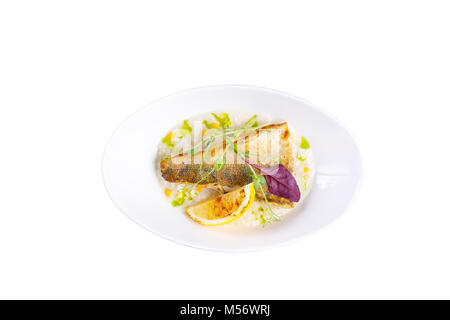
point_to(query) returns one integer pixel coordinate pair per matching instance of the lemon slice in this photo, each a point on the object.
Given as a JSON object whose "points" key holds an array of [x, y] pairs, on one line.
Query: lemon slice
{"points": [[224, 208]]}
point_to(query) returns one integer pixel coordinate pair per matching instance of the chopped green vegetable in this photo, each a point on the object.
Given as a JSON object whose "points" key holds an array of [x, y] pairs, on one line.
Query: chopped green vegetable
{"points": [[300, 158], [185, 129], [262, 219], [185, 195], [167, 140], [207, 124], [304, 144], [260, 215], [224, 121], [177, 202]]}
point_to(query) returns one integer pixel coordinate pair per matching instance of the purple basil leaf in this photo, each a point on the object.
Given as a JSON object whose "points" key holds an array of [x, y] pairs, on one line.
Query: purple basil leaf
{"points": [[280, 181]]}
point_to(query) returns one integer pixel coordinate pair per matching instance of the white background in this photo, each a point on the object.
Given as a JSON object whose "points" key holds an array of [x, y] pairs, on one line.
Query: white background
{"points": [[71, 71]]}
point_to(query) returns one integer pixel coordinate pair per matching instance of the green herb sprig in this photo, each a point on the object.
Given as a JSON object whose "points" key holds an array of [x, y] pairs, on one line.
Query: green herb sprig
{"points": [[224, 120], [185, 129], [258, 183]]}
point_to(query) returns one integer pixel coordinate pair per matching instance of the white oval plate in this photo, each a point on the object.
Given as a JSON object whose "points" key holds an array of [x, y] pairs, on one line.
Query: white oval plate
{"points": [[130, 177]]}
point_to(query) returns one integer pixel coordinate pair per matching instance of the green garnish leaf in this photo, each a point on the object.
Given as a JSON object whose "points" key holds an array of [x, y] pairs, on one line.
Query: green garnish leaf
{"points": [[224, 121], [207, 124], [304, 144], [168, 141], [258, 180], [185, 129]]}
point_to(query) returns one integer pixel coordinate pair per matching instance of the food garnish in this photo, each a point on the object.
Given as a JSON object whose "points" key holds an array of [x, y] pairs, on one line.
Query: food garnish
{"points": [[273, 215], [185, 129], [224, 120], [167, 140], [224, 208], [252, 123], [300, 158], [279, 181], [184, 194], [207, 124], [304, 144]]}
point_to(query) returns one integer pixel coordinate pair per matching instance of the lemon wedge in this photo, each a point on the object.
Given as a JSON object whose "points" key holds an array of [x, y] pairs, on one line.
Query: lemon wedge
{"points": [[224, 208]]}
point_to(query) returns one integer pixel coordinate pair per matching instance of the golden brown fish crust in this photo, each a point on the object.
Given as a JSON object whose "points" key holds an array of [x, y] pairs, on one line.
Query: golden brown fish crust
{"points": [[231, 175]]}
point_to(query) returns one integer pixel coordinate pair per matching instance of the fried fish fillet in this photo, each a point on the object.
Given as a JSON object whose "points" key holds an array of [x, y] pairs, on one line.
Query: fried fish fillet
{"points": [[265, 147]]}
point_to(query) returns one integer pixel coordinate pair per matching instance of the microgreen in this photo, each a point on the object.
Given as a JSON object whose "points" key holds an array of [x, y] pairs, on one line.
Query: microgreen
{"points": [[224, 120], [167, 140], [273, 215], [220, 162], [279, 181], [185, 129], [258, 180], [207, 124], [252, 123], [254, 175]]}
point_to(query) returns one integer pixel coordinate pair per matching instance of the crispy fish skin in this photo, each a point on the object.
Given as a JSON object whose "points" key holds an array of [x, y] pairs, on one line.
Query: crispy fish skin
{"points": [[183, 169], [230, 175]]}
